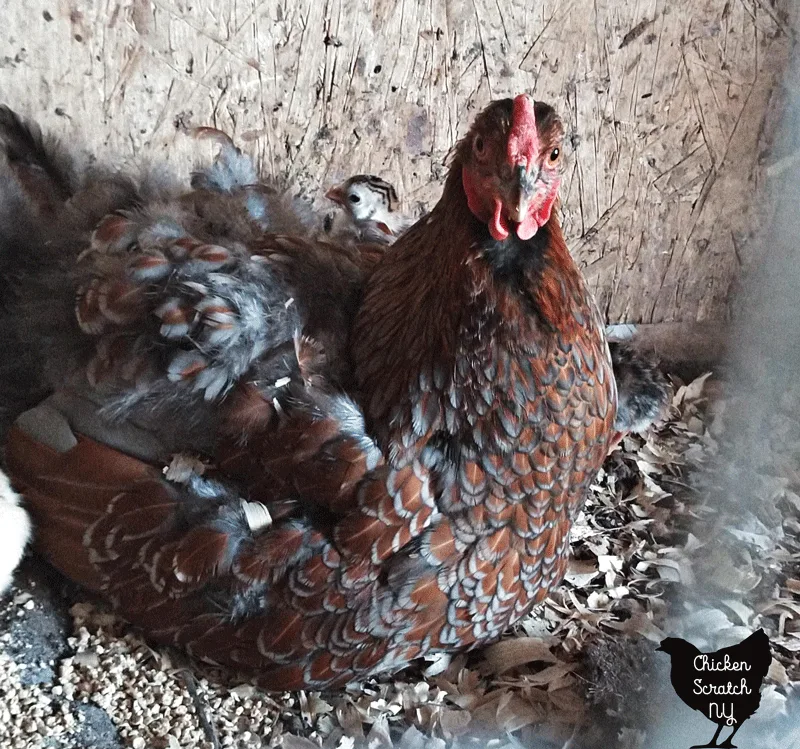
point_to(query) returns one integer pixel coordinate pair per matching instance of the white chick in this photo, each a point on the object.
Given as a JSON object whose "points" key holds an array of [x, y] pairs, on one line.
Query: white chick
{"points": [[15, 532]]}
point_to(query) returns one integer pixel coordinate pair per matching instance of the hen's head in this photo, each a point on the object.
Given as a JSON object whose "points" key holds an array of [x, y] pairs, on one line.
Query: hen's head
{"points": [[511, 165]]}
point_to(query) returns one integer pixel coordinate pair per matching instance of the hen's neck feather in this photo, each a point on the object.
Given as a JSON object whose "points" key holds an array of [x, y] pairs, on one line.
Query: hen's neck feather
{"points": [[434, 252], [445, 283]]}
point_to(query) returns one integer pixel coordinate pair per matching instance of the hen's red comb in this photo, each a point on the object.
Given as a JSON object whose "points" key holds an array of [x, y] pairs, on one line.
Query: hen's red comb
{"points": [[523, 139]]}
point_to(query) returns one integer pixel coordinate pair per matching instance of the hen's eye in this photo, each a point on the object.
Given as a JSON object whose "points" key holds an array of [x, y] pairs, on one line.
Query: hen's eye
{"points": [[478, 144], [354, 198], [554, 154]]}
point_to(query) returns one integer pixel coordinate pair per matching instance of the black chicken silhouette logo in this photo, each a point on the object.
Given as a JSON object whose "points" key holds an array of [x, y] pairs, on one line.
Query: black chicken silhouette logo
{"points": [[724, 685]]}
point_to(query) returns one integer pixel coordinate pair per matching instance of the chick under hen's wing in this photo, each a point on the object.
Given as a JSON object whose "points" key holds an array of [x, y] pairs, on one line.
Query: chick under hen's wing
{"points": [[642, 389], [234, 174], [315, 600], [643, 392]]}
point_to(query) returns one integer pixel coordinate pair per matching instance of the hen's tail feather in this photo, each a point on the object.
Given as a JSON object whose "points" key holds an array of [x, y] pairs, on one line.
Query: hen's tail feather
{"points": [[173, 317], [38, 161], [21, 258]]}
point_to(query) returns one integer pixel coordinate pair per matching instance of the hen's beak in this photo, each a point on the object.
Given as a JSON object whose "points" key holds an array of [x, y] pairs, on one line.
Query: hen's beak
{"points": [[336, 195], [520, 206], [524, 189]]}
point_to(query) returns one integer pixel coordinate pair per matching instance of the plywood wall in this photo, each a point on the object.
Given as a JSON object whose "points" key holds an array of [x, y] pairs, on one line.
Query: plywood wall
{"points": [[667, 105]]}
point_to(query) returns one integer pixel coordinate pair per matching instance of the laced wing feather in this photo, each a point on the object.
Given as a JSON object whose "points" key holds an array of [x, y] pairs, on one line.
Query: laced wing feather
{"points": [[171, 315], [299, 600]]}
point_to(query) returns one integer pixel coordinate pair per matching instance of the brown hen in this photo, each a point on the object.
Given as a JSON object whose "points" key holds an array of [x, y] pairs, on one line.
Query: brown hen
{"points": [[343, 536]]}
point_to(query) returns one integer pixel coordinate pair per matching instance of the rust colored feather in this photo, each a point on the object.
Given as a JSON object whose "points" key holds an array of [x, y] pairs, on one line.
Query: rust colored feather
{"points": [[114, 231], [262, 560], [199, 554], [247, 411]]}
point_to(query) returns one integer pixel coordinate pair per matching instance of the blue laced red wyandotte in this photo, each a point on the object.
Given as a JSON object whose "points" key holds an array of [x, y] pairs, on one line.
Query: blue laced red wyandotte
{"points": [[400, 439]]}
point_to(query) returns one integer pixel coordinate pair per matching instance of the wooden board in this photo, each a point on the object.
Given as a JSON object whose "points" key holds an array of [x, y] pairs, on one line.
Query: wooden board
{"points": [[666, 103]]}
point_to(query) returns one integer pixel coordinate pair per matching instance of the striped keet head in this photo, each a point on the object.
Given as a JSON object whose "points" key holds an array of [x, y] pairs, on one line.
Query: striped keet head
{"points": [[511, 165], [365, 197]]}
